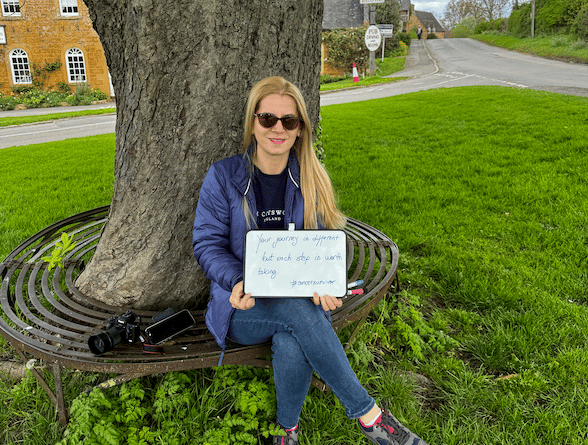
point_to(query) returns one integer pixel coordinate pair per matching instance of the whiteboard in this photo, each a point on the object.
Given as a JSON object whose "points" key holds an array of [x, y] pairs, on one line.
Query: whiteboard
{"points": [[295, 263]]}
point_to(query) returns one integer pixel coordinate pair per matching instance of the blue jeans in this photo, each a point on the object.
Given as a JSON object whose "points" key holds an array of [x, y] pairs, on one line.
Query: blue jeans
{"points": [[302, 340]]}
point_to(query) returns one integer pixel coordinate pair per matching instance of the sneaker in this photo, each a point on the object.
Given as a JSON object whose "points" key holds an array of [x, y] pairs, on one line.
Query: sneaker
{"points": [[291, 437], [389, 431]]}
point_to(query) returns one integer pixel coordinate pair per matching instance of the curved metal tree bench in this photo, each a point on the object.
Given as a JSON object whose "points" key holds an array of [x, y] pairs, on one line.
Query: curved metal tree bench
{"points": [[46, 316]]}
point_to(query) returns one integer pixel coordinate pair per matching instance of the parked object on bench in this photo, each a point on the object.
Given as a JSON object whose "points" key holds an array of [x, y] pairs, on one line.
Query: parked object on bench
{"points": [[166, 328], [125, 328]]}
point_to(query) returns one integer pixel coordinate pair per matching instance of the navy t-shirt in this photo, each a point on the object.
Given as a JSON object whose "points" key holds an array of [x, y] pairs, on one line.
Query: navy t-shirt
{"points": [[270, 191]]}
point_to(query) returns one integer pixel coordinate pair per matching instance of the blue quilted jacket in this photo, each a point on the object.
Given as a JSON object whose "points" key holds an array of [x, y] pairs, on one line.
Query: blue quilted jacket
{"points": [[219, 231]]}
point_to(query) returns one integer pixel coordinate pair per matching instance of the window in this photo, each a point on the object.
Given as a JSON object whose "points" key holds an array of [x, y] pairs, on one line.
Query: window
{"points": [[19, 61], [10, 8], [68, 7], [76, 67]]}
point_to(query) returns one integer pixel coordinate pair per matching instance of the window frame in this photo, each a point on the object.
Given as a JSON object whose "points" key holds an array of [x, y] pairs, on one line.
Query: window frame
{"points": [[73, 67], [64, 4], [11, 4], [22, 71]]}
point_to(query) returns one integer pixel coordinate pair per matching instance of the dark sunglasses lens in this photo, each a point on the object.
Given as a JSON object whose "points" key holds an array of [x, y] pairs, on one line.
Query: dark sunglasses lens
{"points": [[290, 122], [267, 120]]}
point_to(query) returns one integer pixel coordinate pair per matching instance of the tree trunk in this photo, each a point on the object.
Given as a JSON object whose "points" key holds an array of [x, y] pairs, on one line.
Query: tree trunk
{"points": [[181, 71]]}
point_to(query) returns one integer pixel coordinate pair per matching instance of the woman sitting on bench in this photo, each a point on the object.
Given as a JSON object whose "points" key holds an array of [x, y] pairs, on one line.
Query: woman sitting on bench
{"points": [[278, 180]]}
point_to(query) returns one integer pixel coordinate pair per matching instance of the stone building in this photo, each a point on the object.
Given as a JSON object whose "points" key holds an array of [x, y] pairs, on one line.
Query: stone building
{"points": [[40, 33], [426, 21], [343, 14], [404, 14]]}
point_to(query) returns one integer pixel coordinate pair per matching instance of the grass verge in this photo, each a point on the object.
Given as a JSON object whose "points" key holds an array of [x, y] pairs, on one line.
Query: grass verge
{"points": [[386, 67], [483, 188], [561, 47], [20, 120]]}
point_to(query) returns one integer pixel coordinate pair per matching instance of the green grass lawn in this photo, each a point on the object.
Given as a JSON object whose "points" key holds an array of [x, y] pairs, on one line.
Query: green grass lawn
{"points": [[485, 191], [44, 183]]}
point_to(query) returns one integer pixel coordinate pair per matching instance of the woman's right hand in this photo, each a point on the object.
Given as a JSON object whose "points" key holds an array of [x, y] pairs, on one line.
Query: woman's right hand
{"points": [[239, 300]]}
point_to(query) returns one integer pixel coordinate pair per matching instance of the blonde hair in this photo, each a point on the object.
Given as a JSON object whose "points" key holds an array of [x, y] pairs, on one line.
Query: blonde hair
{"points": [[315, 184]]}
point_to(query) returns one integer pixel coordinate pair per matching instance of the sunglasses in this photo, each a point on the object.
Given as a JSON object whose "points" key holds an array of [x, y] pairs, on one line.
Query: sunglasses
{"points": [[268, 120]]}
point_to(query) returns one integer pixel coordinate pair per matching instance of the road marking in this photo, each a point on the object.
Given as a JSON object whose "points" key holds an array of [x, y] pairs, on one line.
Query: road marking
{"points": [[452, 75]]}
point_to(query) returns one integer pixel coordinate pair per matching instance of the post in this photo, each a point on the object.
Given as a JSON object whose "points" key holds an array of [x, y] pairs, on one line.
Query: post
{"points": [[372, 69], [60, 401], [533, 19]]}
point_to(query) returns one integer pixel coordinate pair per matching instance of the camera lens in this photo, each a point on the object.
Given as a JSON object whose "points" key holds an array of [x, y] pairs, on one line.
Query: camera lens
{"points": [[100, 343]]}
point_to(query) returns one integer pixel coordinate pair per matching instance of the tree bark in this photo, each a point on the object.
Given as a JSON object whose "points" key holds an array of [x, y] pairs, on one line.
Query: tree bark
{"points": [[181, 71]]}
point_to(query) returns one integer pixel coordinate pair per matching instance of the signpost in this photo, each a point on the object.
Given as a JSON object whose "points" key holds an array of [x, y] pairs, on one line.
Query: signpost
{"points": [[387, 33], [373, 39], [372, 35]]}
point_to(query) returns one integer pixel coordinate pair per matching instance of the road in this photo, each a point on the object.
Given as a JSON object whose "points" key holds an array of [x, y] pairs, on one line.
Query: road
{"points": [[446, 63], [57, 130], [442, 63]]}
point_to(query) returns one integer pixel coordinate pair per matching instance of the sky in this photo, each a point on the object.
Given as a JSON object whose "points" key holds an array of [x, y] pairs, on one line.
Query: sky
{"points": [[437, 7]]}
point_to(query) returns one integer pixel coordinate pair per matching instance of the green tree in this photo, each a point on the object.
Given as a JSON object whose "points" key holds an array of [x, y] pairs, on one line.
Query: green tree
{"points": [[580, 25], [388, 13], [465, 28]]}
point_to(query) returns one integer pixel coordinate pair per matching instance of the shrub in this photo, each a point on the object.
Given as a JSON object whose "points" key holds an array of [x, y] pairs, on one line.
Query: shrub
{"points": [[560, 40], [404, 37], [579, 27], [465, 28], [491, 25], [33, 98], [345, 46], [579, 44], [8, 102], [431, 36], [391, 46], [20, 89], [326, 78], [557, 15], [55, 98], [99, 95], [519, 22], [402, 49], [85, 95], [64, 87]]}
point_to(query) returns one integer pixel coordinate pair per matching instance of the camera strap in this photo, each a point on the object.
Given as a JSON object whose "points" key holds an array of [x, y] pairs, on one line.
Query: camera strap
{"points": [[152, 349], [148, 348]]}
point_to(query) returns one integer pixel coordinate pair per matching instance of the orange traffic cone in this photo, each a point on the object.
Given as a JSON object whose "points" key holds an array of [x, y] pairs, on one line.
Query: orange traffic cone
{"points": [[355, 75]]}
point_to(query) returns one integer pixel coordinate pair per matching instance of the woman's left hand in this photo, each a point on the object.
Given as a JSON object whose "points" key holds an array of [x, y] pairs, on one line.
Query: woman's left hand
{"points": [[328, 303]]}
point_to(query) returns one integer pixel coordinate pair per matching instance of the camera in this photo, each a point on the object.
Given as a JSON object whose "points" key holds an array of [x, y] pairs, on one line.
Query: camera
{"points": [[123, 328]]}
